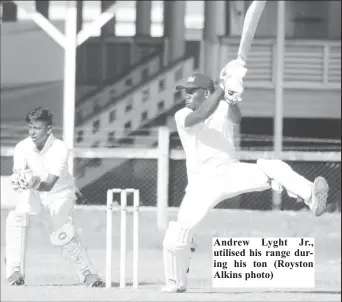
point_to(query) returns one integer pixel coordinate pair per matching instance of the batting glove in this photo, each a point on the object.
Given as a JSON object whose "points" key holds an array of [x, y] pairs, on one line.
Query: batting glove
{"points": [[233, 90], [235, 68], [231, 79], [232, 97]]}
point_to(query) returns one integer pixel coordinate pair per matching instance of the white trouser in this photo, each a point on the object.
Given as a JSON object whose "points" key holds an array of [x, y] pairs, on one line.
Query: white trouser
{"points": [[31, 202], [237, 178], [60, 204]]}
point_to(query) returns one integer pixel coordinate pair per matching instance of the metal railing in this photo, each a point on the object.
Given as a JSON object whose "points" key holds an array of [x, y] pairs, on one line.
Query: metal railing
{"points": [[159, 172]]}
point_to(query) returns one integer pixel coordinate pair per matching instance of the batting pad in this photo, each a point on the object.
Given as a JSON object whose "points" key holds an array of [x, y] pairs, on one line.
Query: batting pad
{"points": [[176, 250], [281, 172], [16, 242], [73, 250]]}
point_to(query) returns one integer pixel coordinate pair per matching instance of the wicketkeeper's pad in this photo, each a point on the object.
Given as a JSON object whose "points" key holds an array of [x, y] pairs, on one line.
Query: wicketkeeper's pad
{"points": [[73, 250], [176, 250], [16, 242]]}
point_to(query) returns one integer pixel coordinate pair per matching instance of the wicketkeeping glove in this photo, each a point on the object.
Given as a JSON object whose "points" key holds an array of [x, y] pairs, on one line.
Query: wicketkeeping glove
{"points": [[15, 180], [27, 180]]}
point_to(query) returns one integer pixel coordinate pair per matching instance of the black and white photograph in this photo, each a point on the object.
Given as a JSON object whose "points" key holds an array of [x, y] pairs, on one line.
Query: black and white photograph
{"points": [[170, 150]]}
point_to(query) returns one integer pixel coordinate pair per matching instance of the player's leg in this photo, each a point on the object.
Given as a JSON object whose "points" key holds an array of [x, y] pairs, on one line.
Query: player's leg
{"points": [[17, 223], [204, 196], [178, 240], [16, 239], [61, 208], [176, 252], [238, 178], [314, 194], [196, 204], [193, 246]]}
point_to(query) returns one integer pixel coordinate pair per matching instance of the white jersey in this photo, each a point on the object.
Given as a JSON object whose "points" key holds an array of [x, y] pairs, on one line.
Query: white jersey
{"points": [[209, 145], [52, 159]]}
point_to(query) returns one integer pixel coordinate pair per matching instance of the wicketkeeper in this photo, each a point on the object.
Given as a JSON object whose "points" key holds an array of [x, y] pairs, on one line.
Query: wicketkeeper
{"points": [[41, 179]]}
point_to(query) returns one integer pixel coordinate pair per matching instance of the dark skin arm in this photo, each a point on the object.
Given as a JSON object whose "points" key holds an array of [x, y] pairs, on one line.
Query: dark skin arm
{"points": [[206, 108], [47, 185], [234, 114]]}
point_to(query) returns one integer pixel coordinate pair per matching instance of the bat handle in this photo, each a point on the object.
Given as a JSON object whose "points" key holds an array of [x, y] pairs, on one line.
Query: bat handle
{"points": [[240, 60]]}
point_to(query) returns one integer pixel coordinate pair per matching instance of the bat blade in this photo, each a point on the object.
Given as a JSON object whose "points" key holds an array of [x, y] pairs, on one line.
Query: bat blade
{"points": [[249, 28]]}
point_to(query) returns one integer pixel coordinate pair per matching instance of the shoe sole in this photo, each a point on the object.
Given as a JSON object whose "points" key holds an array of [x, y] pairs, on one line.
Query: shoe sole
{"points": [[98, 283], [173, 290], [17, 282], [321, 189], [16, 279]]}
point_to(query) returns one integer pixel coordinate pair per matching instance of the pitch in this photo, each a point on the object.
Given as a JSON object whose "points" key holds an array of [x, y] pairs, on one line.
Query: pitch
{"points": [[50, 278]]}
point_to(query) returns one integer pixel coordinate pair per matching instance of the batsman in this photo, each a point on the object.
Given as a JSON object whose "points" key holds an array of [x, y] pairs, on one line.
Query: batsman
{"points": [[41, 179], [206, 128]]}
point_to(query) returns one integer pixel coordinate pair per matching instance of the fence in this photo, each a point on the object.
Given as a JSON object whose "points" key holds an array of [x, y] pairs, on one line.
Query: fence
{"points": [[160, 174]]}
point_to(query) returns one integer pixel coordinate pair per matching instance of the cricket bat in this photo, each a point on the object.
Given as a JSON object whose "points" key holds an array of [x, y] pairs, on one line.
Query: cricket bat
{"points": [[249, 27]]}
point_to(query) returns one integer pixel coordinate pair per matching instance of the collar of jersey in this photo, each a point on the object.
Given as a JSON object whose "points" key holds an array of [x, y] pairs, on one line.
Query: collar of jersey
{"points": [[47, 145]]}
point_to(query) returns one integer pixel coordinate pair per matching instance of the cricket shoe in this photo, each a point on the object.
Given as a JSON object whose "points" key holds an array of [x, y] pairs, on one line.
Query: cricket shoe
{"points": [[318, 200], [94, 280], [16, 279], [173, 288]]}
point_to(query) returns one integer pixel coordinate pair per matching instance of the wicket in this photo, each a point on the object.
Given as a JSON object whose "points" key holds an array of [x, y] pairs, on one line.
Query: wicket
{"points": [[123, 236]]}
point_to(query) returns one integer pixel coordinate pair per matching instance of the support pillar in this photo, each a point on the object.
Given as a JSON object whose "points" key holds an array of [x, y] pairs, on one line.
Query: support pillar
{"points": [[109, 28], [174, 29], [79, 7], [9, 12], [235, 14], [279, 91], [143, 18], [43, 8], [214, 27], [81, 62], [106, 30], [69, 83]]}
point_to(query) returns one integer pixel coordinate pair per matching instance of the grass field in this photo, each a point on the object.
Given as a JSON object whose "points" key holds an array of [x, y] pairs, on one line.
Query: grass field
{"points": [[50, 277]]}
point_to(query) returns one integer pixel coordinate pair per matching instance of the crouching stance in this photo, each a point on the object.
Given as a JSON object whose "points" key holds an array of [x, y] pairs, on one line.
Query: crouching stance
{"points": [[41, 179], [214, 172]]}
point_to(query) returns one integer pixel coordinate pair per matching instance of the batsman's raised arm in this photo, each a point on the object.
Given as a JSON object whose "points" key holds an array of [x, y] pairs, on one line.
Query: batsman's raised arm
{"points": [[234, 114], [205, 109]]}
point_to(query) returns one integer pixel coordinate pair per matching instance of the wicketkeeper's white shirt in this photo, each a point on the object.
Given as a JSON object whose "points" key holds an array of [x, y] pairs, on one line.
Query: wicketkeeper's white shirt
{"points": [[52, 159], [209, 146]]}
